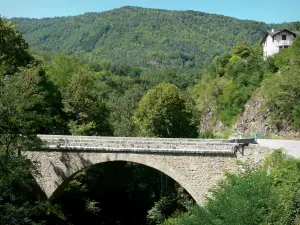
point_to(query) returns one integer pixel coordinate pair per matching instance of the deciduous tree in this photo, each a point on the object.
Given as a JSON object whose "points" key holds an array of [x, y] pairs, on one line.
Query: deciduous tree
{"points": [[21, 106], [87, 113], [162, 113], [13, 48]]}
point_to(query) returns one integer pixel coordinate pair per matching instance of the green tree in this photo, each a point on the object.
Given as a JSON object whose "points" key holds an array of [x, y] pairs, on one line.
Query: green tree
{"points": [[61, 69], [21, 200], [241, 50], [281, 92], [88, 114], [239, 199], [284, 170], [53, 107], [227, 84], [122, 107], [295, 52], [21, 109], [13, 48], [172, 202], [162, 112], [295, 26]]}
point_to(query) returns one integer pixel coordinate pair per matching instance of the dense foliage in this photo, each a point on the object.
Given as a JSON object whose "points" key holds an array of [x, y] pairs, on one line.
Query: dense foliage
{"points": [[281, 89], [13, 48], [152, 38], [21, 200], [232, 78], [268, 194], [22, 113], [162, 112], [228, 83]]}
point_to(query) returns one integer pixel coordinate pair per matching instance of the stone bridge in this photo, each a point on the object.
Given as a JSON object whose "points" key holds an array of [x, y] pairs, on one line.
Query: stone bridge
{"points": [[196, 164]]}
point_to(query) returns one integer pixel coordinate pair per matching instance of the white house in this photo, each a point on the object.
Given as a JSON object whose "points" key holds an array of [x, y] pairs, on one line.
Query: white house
{"points": [[273, 41]]}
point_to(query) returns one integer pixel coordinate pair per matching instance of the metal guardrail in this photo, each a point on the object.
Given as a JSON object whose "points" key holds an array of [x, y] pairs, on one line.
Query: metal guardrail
{"points": [[244, 141]]}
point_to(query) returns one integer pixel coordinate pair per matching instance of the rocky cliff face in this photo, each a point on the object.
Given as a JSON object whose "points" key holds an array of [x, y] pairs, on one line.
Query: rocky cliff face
{"points": [[256, 119], [209, 122]]}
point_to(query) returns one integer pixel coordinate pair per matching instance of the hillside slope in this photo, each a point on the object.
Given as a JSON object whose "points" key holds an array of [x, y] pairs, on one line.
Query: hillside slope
{"points": [[178, 40], [256, 119]]}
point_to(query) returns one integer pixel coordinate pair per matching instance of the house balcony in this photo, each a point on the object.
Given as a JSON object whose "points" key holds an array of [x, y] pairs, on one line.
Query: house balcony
{"points": [[284, 43]]}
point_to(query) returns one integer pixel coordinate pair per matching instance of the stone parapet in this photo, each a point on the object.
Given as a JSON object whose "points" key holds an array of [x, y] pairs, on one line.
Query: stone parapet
{"points": [[137, 145], [52, 137]]}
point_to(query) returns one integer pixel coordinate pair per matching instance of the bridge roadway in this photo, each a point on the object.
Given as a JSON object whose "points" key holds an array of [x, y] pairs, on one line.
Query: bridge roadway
{"points": [[138, 145]]}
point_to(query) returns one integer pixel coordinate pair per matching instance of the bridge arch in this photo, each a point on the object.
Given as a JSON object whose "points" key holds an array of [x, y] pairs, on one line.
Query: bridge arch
{"points": [[57, 167], [159, 167]]}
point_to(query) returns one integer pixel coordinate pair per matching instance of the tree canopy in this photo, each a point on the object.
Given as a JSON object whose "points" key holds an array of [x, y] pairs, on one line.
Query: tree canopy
{"points": [[162, 112], [13, 48]]}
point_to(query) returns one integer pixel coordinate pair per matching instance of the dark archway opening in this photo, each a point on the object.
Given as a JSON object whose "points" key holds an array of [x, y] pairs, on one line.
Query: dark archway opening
{"points": [[117, 193]]}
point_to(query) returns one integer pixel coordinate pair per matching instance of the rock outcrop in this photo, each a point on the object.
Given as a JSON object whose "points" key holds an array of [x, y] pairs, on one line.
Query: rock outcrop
{"points": [[256, 119]]}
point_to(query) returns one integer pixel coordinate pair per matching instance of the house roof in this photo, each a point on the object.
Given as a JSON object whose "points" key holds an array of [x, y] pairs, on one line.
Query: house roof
{"points": [[273, 33]]}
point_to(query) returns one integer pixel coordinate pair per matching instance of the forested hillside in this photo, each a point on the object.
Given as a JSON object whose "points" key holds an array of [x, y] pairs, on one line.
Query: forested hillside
{"points": [[152, 38], [234, 78]]}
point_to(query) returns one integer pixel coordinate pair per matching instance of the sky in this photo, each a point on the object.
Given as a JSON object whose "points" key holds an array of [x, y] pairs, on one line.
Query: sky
{"points": [[270, 11]]}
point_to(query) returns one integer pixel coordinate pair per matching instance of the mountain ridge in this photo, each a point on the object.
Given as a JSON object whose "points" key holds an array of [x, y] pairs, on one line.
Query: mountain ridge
{"points": [[147, 8], [149, 38]]}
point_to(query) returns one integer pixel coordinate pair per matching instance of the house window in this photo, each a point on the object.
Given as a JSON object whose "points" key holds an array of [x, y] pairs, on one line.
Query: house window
{"points": [[282, 47], [283, 37]]}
